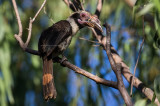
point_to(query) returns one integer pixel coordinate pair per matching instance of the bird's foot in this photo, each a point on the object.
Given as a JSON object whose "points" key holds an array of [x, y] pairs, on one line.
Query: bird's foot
{"points": [[60, 60], [63, 59]]}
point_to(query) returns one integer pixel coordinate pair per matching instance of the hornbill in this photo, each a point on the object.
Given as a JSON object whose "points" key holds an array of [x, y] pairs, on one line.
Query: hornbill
{"points": [[54, 41]]}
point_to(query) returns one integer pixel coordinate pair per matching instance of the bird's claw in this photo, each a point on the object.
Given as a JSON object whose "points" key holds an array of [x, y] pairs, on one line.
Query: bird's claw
{"points": [[63, 59]]}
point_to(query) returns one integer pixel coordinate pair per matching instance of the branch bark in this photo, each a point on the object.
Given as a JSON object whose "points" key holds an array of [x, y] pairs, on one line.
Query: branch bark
{"points": [[19, 35], [125, 69], [116, 68], [87, 74]]}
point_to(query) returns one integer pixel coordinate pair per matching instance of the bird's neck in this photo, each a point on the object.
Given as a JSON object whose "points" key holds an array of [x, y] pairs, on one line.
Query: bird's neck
{"points": [[74, 25]]}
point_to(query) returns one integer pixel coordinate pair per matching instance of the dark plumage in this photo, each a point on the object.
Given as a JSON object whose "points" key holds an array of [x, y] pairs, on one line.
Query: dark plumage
{"points": [[53, 41], [55, 38]]}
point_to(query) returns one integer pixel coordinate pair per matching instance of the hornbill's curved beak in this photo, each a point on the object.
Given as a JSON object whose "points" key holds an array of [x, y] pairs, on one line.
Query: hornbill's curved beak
{"points": [[94, 22], [91, 21]]}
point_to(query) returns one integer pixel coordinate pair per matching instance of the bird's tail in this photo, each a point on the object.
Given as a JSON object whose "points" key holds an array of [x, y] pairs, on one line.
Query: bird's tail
{"points": [[49, 90]]}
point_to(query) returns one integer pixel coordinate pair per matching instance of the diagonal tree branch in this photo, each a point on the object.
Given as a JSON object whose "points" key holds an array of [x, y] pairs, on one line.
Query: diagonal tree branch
{"points": [[126, 71], [87, 74], [116, 68]]}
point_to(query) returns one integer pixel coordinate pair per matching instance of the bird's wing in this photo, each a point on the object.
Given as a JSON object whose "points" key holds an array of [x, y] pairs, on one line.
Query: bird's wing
{"points": [[53, 36]]}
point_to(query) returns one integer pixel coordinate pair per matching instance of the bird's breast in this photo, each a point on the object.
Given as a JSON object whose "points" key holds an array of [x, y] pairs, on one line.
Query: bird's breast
{"points": [[62, 46]]}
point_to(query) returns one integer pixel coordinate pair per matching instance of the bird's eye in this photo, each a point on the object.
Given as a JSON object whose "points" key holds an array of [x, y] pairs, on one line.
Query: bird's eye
{"points": [[83, 15]]}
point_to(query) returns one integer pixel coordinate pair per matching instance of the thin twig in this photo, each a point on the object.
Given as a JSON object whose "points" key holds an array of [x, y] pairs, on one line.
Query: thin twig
{"points": [[82, 38], [18, 18], [44, 2], [31, 21], [96, 36], [82, 5], [19, 36], [83, 2], [71, 5], [66, 2], [48, 15], [137, 60]]}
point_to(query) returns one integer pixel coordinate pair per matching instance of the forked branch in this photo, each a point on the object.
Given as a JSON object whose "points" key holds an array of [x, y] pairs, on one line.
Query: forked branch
{"points": [[116, 68], [19, 36]]}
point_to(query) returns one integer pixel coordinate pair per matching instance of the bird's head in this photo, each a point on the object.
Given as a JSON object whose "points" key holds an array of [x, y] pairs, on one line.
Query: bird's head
{"points": [[83, 18]]}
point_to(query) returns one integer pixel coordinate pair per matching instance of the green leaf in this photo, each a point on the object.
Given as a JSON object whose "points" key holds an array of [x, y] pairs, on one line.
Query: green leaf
{"points": [[157, 40], [35, 61], [2, 93], [6, 73], [157, 4], [145, 9], [141, 102], [2, 29], [154, 97], [157, 87]]}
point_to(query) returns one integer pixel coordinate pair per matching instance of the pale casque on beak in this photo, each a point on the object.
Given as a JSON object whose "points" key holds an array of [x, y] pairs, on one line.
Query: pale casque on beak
{"points": [[90, 20]]}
